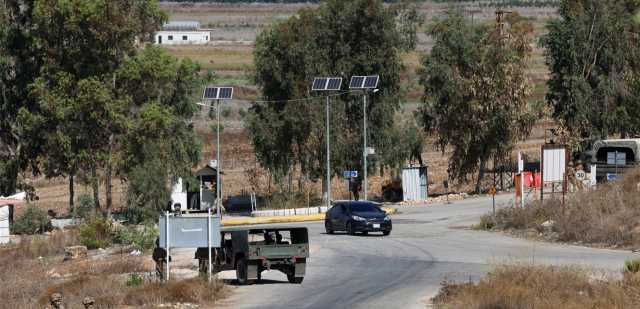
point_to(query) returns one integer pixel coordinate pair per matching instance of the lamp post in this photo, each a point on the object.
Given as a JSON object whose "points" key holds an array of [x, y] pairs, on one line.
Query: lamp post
{"points": [[327, 84], [364, 83], [212, 93]]}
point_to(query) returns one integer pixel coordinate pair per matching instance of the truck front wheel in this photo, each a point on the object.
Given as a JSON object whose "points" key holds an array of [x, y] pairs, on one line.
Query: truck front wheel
{"points": [[241, 271], [293, 279]]}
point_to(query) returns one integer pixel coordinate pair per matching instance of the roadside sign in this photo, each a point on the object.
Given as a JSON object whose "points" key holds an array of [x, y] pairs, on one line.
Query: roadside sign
{"points": [[350, 174], [611, 176], [581, 175], [371, 151], [493, 190]]}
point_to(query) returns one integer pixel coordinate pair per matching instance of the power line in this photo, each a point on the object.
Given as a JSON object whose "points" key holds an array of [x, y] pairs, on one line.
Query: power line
{"points": [[339, 93]]}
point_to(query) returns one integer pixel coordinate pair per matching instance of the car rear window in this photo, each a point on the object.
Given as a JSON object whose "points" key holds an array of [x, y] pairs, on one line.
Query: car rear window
{"points": [[364, 207]]}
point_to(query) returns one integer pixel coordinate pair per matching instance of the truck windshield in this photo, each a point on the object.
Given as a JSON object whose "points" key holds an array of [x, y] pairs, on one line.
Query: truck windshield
{"points": [[364, 207]]}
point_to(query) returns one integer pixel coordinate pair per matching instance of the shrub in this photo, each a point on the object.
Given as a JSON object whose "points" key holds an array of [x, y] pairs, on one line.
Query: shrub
{"points": [[632, 266], [487, 222], [33, 221], [134, 280], [96, 233], [225, 112], [85, 206], [605, 216], [242, 113], [540, 287], [141, 237]]}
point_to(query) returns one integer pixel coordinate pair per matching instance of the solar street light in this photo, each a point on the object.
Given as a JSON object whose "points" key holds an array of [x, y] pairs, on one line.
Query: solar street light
{"points": [[364, 83], [327, 84], [213, 93]]}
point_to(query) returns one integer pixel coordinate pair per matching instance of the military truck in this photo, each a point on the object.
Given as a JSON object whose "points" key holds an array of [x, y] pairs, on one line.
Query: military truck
{"points": [[250, 251], [614, 156]]}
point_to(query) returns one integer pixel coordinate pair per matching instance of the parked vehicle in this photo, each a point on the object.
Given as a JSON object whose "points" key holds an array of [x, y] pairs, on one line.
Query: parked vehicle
{"points": [[251, 251], [354, 217], [614, 156]]}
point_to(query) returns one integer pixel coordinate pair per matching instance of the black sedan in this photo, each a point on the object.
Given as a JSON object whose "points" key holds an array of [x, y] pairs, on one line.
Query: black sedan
{"points": [[354, 217]]}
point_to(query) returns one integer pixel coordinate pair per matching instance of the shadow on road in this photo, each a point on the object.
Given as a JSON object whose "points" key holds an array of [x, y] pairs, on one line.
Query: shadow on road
{"points": [[356, 235], [234, 282]]}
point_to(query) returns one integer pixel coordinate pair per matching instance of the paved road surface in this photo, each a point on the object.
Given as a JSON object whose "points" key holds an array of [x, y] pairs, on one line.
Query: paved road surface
{"points": [[428, 245]]}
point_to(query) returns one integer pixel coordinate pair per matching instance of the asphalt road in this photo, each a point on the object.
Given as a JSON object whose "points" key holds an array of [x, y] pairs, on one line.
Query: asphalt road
{"points": [[428, 244]]}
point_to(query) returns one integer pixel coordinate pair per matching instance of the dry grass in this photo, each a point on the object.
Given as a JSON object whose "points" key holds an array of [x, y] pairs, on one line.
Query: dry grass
{"points": [[541, 287], [34, 269], [606, 216]]}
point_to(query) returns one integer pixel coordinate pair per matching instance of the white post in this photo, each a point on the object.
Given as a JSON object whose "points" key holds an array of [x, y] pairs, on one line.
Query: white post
{"points": [[328, 160], [167, 243], [209, 241], [521, 170], [218, 163], [365, 153]]}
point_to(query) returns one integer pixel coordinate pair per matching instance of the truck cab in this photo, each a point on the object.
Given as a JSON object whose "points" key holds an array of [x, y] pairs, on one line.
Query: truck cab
{"points": [[250, 251]]}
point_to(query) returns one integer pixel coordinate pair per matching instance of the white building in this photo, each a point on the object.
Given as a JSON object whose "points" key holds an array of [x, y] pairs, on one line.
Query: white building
{"points": [[182, 32]]}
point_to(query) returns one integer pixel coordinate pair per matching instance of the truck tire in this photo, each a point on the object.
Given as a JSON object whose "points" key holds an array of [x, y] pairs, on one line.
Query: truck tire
{"points": [[293, 279], [203, 266], [241, 271]]}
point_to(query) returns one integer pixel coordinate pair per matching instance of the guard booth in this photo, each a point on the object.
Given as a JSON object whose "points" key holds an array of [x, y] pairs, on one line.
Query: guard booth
{"points": [[414, 183], [200, 197]]}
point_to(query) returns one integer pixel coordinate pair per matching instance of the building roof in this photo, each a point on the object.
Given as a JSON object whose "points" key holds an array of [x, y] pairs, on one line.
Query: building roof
{"points": [[181, 25]]}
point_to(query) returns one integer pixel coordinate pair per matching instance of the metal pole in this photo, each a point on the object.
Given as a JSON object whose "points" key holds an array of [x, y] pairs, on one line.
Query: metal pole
{"points": [[328, 160], [166, 243], [365, 154], [209, 241], [218, 163], [494, 205]]}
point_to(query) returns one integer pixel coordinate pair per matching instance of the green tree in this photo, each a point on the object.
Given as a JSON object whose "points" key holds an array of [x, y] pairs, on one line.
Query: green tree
{"points": [[476, 90], [593, 53], [160, 142], [78, 42], [339, 38], [20, 63]]}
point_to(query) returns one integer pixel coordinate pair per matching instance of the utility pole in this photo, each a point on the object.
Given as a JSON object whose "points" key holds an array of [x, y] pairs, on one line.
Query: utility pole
{"points": [[327, 84], [365, 153], [364, 83], [212, 93]]}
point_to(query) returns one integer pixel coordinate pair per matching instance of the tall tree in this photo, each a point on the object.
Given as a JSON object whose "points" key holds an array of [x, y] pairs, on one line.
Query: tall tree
{"points": [[78, 41], [339, 38], [20, 63], [593, 52], [476, 90], [160, 142]]}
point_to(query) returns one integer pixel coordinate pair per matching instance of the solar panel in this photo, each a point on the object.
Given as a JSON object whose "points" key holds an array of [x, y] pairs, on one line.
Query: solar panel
{"points": [[210, 93], [371, 82], [356, 82], [319, 83], [217, 93], [334, 83], [225, 93]]}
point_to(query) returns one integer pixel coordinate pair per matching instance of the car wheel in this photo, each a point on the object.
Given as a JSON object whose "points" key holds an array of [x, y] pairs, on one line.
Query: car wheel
{"points": [[327, 227], [241, 271], [350, 230], [386, 233], [365, 233], [293, 279]]}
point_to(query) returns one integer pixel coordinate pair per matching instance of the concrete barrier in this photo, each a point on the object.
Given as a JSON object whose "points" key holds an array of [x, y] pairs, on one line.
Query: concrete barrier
{"points": [[282, 219]]}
